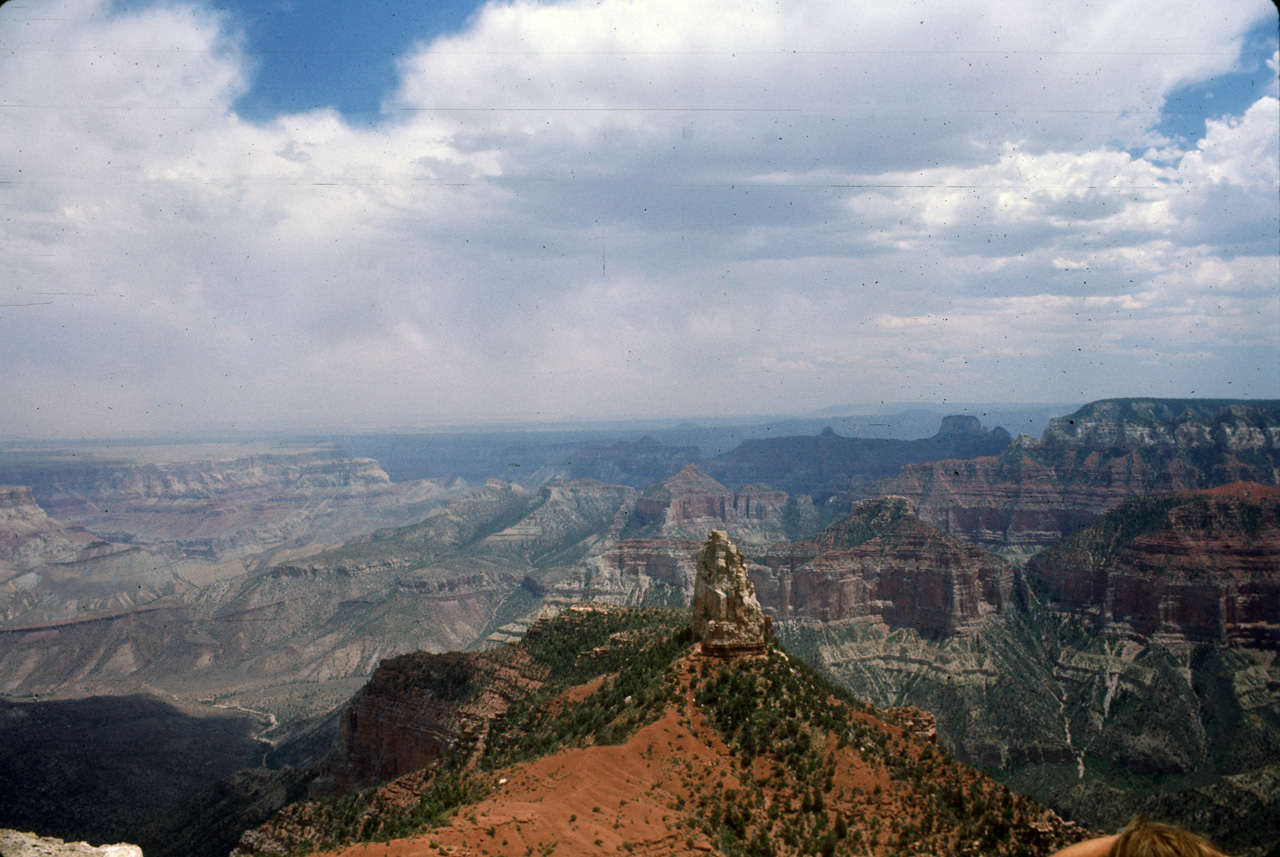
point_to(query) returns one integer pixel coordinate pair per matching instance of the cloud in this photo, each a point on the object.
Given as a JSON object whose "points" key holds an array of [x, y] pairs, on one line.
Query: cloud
{"points": [[623, 209]]}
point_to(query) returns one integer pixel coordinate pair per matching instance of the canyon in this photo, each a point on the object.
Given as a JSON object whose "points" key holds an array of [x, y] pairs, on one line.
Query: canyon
{"points": [[1109, 672]]}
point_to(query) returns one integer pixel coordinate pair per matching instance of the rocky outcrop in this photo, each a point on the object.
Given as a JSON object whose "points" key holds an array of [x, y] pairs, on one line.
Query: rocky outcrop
{"points": [[727, 618], [416, 707], [388, 730], [691, 502], [1036, 492], [1202, 565], [14, 843], [884, 562]]}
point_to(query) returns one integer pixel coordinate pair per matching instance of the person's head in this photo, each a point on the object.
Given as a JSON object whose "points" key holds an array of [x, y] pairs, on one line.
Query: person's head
{"points": [[1144, 838]]}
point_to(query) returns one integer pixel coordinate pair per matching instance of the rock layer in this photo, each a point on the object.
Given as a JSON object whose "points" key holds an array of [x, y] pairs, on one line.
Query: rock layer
{"points": [[30, 537], [228, 507], [727, 618], [1204, 565], [386, 731], [884, 562], [691, 502], [1036, 492]]}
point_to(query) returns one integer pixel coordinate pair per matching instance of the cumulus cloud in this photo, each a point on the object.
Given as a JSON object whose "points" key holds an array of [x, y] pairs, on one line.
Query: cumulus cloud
{"points": [[624, 209]]}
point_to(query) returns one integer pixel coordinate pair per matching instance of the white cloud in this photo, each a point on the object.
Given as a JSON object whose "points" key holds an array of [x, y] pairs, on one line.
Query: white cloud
{"points": [[612, 207]]}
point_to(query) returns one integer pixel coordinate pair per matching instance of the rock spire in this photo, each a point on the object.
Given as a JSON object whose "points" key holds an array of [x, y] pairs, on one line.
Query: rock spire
{"points": [[727, 618]]}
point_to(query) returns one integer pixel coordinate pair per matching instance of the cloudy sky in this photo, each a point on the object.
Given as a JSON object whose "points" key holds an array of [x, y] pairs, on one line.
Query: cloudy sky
{"points": [[262, 214]]}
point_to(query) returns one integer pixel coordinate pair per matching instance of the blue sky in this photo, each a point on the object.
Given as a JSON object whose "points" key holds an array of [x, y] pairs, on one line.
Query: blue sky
{"points": [[245, 216], [329, 54], [1227, 94]]}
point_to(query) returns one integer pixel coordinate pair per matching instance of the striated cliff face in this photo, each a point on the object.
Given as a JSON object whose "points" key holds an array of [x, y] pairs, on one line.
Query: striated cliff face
{"points": [[1204, 565], [1036, 492], [568, 519], [690, 503], [293, 637], [1098, 725], [416, 707], [30, 537], [1231, 426], [884, 562], [669, 561]]}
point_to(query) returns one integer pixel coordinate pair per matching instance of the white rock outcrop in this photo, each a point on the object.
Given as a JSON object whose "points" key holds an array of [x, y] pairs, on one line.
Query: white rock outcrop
{"points": [[14, 843]]}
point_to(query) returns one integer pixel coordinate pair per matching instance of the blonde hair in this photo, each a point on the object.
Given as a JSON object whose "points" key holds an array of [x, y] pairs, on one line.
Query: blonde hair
{"points": [[1144, 838]]}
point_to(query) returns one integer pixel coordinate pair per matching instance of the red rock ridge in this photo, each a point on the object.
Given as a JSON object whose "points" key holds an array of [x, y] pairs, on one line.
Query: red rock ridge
{"points": [[414, 708], [884, 562], [1202, 564]]}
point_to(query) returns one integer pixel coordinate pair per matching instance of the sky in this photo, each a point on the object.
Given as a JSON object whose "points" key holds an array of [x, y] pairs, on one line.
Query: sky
{"points": [[292, 215]]}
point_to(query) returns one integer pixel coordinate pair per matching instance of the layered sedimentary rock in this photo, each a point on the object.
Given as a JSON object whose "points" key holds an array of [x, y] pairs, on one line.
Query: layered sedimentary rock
{"points": [[691, 502], [324, 620], [218, 508], [566, 516], [408, 713], [1096, 724], [882, 561], [30, 537], [1204, 565], [1229, 425], [727, 618], [1035, 492], [669, 561]]}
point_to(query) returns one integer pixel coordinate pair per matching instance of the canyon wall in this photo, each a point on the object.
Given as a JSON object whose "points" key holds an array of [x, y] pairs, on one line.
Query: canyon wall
{"points": [[1204, 565], [884, 562], [691, 503], [29, 536], [1038, 491]]}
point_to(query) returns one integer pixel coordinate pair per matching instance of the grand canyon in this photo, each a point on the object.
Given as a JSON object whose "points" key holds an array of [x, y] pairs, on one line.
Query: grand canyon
{"points": [[284, 650]]}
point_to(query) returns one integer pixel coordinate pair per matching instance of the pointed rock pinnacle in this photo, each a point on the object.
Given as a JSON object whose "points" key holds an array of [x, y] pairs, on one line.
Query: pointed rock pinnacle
{"points": [[726, 615]]}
